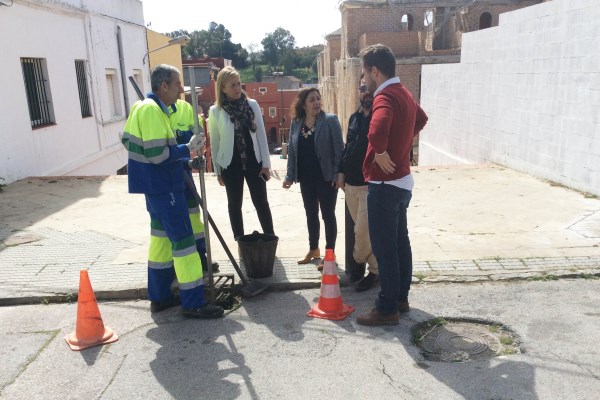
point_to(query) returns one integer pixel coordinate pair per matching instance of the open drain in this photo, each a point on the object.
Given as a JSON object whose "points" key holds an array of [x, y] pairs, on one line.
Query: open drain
{"points": [[462, 340]]}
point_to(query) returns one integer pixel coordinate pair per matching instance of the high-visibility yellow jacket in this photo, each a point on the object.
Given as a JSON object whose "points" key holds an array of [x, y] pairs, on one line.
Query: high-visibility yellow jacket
{"points": [[155, 159], [182, 121]]}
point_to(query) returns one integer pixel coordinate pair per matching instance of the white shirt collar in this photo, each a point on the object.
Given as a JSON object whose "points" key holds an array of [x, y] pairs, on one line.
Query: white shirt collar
{"points": [[385, 84]]}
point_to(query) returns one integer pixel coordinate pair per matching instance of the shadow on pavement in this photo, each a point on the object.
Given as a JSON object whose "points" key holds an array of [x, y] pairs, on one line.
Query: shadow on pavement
{"points": [[286, 326], [25, 202], [192, 362]]}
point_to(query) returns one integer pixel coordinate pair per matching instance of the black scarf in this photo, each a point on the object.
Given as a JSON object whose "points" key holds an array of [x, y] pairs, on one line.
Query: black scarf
{"points": [[242, 116], [240, 113]]}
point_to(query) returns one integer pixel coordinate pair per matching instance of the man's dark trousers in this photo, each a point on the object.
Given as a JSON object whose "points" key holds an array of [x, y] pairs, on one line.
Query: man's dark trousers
{"points": [[388, 228]]}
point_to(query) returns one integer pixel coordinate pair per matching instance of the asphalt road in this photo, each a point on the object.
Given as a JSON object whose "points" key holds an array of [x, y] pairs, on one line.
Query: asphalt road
{"points": [[270, 349]]}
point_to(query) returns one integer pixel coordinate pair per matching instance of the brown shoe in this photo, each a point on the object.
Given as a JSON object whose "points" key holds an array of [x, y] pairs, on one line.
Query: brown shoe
{"points": [[311, 255], [376, 318], [403, 306]]}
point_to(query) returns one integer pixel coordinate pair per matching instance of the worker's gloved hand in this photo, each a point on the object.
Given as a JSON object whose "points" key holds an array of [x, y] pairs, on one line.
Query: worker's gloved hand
{"points": [[197, 163], [196, 143], [183, 137]]}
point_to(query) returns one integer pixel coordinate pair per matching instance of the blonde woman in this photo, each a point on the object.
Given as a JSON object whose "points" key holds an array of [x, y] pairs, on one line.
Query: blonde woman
{"points": [[239, 149]]}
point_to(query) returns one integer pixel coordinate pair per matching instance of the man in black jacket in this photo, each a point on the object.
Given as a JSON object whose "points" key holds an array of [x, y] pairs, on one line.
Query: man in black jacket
{"points": [[351, 179]]}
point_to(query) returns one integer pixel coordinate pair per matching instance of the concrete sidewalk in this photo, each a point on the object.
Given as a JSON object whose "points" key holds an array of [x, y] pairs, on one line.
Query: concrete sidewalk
{"points": [[468, 223]]}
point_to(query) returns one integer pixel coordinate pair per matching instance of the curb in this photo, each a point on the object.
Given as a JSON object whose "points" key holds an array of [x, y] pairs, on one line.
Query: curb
{"points": [[142, 293]]}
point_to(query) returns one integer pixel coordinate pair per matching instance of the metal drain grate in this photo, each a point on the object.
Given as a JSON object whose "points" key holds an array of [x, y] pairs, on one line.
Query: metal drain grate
{"points": [[464, 340]]}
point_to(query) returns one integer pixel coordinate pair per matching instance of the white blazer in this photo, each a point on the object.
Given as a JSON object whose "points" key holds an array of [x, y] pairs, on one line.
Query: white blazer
{"points": [[221, 133]]}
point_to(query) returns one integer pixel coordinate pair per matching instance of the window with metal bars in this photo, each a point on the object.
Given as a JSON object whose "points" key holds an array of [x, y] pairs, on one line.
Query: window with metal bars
{"points": [[84, 98], [39, 99]]}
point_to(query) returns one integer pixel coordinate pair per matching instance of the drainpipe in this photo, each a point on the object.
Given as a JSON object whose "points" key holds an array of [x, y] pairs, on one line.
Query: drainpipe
{"points": [[123, 74]]}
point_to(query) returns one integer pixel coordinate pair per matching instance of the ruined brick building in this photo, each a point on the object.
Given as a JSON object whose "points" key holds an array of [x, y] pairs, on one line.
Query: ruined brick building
{"points": [[418, 32]]}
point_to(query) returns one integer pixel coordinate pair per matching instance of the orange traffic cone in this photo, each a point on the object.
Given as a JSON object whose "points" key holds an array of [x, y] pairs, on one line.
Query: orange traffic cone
{"points": [[330, 305], [89, 329]]}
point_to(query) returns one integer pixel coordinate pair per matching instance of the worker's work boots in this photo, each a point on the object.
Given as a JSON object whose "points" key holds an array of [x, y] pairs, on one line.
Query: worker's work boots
{"points": [[207, 311], [158, 306]]}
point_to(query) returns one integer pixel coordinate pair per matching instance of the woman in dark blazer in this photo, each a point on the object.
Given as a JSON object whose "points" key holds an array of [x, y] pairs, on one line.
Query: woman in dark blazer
{"points": [[314, 151]]}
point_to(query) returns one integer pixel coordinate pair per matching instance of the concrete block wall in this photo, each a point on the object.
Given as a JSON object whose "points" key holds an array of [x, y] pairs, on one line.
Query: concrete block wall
{"points": [[525, 95]]}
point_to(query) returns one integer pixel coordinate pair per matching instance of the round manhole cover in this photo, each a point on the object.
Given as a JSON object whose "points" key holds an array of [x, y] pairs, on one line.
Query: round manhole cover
{"points": [[449, 340]]}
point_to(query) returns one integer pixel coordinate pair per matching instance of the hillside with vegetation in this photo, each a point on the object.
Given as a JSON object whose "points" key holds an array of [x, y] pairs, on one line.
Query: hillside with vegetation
{"points": [[277, 53]]}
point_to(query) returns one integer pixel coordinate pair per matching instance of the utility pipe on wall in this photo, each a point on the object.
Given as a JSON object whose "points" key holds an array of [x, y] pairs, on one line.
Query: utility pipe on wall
{"points": [[122, 68]]}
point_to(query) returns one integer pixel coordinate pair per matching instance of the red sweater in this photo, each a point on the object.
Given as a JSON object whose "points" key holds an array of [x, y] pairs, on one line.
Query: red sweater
{"points": [[395, 120]]}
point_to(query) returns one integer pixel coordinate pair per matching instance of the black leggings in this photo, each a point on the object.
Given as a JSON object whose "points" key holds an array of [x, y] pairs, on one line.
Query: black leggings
{"points": [[321, 194], [233, 177]]}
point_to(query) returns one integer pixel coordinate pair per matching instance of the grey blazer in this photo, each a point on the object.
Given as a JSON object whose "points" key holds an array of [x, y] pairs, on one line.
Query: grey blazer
{"points": [[329, 145]]}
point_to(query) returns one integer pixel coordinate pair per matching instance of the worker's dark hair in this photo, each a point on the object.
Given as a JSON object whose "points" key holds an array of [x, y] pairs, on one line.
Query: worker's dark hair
{"points": [[162, 73]]}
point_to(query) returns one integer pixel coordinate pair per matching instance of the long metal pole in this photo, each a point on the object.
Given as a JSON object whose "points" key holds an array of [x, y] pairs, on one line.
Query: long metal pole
{"points": [[198, 129], [122, 68]]}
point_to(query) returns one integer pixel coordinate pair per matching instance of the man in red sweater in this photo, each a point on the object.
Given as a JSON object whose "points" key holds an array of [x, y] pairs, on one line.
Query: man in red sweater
{"points": [[396, 119]]}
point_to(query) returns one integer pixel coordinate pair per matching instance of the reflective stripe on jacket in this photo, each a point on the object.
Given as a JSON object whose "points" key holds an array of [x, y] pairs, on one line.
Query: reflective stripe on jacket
{"points": [[155, 159]]}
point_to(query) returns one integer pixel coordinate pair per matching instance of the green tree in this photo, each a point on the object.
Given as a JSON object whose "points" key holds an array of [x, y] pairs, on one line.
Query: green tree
{"points": [[258, 72], [276, 44], [253, 54], [306, 56], [214, 42], [185, 50], [289, 61]]}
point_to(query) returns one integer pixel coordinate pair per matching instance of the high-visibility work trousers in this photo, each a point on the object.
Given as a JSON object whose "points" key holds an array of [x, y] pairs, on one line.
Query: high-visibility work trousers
{"points": [[173, 251], [197, 225]]}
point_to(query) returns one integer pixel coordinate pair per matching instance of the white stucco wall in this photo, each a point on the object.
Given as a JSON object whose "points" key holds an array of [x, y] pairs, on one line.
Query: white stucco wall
{"points": [[526, 95], [61, 32]]}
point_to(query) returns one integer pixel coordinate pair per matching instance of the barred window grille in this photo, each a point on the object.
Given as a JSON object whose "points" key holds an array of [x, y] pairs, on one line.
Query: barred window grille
{"points": [[37, 88], [84, 98]]}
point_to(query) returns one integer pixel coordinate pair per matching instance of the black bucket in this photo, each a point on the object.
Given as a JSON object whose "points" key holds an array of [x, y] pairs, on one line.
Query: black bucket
{"points": [[257, 252]]}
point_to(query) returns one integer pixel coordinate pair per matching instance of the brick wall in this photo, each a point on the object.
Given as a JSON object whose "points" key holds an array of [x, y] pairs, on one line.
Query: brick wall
{"points": [[410, 75], [402, 44], [374, 18], [275, 106], [334, 43], [471, 18]]}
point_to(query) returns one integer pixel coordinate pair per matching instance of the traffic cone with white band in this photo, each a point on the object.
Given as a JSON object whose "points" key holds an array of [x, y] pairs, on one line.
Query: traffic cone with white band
{"points": [[330, 305]]}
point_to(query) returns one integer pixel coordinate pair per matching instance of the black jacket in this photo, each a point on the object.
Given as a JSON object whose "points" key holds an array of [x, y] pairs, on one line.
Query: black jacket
{"points": [[355, 149]]}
